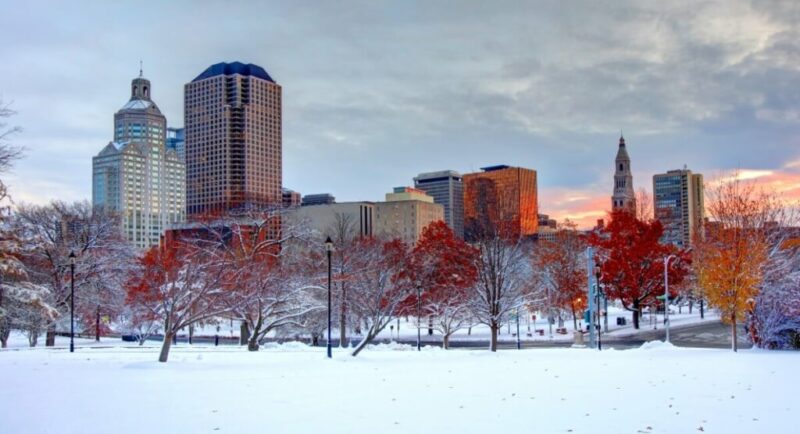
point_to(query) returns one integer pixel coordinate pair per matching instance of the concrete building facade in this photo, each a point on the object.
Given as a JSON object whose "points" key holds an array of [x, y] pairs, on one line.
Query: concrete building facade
{"points": [[447, 189], [136, 175], [500, 199], [405, 213], [679, 204], [233, 123], [349, 220]]}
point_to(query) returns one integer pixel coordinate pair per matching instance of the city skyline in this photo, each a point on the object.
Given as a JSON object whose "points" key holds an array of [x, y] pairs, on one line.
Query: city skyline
{"points": [[700, 84]]}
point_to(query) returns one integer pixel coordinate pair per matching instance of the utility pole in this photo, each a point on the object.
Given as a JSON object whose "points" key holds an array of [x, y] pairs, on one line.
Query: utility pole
{"points": [[590, 298]]}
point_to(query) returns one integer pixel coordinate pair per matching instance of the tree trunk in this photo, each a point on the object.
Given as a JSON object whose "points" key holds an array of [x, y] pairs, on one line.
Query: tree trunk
{"points": [[636, 313], [574, 319], [244, 333], [50, 338], [371, 333], [164, 355], [734, 344], [252, 344], [97, 324], [702, 310], [446, 341], [33, 337], [5, 332], [494, 328], [191, 333]]}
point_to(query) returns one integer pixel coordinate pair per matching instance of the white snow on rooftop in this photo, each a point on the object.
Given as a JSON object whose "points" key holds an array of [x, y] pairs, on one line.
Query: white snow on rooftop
{"points": [[138, 104]]}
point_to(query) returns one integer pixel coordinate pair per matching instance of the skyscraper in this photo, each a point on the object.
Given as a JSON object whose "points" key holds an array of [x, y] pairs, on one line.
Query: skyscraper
{"points": [[176, 140], [502, 200], [623, 198], [233, 139], [447, 189], [135, 175], [679, 205]]}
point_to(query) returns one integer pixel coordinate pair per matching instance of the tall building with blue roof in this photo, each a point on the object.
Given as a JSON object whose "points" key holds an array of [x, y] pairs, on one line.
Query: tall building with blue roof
{"points": [[136, 175], [233, 139]]}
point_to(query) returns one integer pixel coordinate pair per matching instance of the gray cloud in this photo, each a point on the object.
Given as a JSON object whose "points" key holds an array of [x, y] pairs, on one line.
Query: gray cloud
{"points": [[375, 93]]}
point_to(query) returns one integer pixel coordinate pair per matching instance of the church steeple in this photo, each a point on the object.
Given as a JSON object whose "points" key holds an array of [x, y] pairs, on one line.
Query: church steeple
{"points": [[624, 196], [140, 86]]}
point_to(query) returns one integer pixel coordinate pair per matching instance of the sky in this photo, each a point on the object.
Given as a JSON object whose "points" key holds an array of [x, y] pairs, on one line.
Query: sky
{"points": [[376, 92]]}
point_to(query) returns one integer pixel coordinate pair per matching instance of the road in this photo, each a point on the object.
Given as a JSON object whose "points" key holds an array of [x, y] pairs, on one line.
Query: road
{"points": [[711, 334]]}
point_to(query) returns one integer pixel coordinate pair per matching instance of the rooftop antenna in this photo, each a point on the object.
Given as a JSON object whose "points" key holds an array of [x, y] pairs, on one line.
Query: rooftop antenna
{"points": [[140, 68]]}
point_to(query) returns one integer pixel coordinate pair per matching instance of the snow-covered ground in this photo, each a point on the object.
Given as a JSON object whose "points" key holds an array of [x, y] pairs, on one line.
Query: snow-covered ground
{"points": [[292, 388]]}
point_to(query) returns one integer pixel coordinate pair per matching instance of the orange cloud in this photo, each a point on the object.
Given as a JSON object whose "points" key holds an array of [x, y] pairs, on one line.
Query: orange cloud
{"points": [[582, 207], [585, 207]]}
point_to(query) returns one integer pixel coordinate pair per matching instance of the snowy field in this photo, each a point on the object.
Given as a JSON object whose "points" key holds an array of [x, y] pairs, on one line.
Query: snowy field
{"points": [[294, 389]]}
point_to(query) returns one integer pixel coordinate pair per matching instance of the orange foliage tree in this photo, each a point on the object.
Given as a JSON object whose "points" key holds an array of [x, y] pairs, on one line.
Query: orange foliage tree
{"points": [[732, 255]]}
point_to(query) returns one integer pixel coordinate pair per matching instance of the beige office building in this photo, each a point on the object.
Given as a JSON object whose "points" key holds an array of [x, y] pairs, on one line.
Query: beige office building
{"points": [[679, 205], [406, 212]]}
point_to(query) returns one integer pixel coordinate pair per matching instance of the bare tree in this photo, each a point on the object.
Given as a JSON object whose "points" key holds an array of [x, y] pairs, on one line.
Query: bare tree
{"points": [[376, 287], [344, 235], [644, 205], [50, 232], [8, 152], [503, 272]]}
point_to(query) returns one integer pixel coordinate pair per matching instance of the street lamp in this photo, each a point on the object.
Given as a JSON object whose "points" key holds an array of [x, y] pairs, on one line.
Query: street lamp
{"points": [[519, 345], [329, 250], [72, 302], [666, 296]]}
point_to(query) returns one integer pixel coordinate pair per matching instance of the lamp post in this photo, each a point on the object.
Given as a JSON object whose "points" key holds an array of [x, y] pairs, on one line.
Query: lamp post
{"points": [[666, 296], [589, 296], [419, 330], [71, 302], [597, 274], [519, 344], [329, 250]]}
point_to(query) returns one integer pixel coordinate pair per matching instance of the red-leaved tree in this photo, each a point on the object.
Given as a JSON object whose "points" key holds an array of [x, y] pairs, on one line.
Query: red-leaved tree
{"points": [[559, 270], [443, 268], [632, 261], [180, 286]]}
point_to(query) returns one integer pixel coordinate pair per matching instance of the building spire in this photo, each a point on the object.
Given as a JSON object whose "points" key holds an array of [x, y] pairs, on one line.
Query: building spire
{"points": [[140, 68], [621, 139]]}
